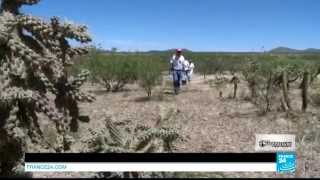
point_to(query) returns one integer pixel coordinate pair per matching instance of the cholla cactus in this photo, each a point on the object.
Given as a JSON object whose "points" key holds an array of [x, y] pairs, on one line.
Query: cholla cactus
{"points": [[137, 139], [133, 139], [34, 55]]}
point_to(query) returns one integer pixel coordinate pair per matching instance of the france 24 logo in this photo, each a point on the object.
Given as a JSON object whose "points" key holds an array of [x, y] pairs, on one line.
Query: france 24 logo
{"points": [[286, 162]]}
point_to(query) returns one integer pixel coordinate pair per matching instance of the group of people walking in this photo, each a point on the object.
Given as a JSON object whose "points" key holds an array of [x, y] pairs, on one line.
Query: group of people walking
{"points": [[181, 69]]}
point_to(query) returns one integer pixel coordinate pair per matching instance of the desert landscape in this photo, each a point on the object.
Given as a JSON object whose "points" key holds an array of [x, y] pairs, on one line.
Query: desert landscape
{"points": [[58, 97], [208, 123]]}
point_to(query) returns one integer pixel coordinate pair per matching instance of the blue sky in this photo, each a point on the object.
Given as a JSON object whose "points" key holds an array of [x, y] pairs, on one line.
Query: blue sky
{"points": [[200, 25]]}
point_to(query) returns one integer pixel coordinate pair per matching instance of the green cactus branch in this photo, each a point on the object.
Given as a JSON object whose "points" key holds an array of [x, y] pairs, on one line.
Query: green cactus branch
{"points": [[34, 55]]}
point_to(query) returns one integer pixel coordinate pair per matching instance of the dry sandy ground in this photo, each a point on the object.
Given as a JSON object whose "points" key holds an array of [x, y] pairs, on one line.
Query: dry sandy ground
{"points": [[208, 123]]}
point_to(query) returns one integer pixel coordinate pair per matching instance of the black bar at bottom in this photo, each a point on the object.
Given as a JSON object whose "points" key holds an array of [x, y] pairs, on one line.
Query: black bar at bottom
{"points": [[150, 157]]}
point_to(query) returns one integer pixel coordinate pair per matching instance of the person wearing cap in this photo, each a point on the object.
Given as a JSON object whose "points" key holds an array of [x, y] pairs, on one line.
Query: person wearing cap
{"points": [[176, 63]]}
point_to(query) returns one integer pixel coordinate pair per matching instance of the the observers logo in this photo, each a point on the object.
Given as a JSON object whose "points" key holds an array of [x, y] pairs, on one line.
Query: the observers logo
{"points": [[275, 143], [286, 162]]}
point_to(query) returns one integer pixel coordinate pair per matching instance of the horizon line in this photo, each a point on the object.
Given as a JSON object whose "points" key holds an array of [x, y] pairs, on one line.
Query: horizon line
{"points": [[219, 51]]}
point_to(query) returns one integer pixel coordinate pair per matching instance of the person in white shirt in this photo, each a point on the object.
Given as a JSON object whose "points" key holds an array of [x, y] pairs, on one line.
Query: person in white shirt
{"points": [[185, 72], [191, 68], [176, 63]]}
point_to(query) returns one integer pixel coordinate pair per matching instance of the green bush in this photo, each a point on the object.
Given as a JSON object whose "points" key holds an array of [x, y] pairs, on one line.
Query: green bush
{"points": [[218, 64], [149, 75], [117, 72], [113, 71]]}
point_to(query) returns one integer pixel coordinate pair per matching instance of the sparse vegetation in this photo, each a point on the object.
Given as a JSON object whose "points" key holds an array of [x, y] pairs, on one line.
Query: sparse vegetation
{"points": [[114, 71], [42, 78]]}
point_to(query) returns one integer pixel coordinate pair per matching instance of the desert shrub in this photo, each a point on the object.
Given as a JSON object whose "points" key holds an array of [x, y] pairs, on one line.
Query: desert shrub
{"points": [[210, 66], [120, 71], [204, 67], [149, 75], [218, 64], [268, 75], [116, 70], [261, 76], [110, 70]]}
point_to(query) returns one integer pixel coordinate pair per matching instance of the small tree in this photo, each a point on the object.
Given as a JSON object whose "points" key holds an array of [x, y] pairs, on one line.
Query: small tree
{"points": [[149, 75], [112, 71]]}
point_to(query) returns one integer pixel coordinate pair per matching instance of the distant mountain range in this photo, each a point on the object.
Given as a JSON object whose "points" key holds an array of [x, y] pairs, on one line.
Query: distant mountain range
{"points": [[278, 50], [169, 50], [290, 50]]}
